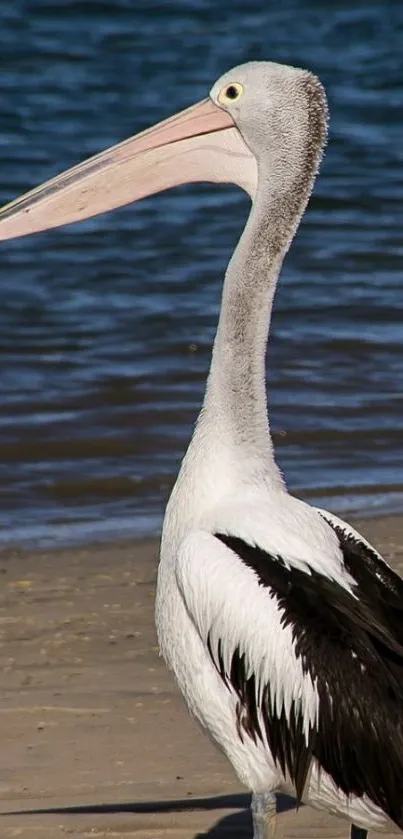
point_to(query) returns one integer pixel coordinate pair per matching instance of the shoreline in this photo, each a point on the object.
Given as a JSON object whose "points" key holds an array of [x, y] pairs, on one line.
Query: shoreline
{"points": [[364, 522], [90, 718], [74, 534]]}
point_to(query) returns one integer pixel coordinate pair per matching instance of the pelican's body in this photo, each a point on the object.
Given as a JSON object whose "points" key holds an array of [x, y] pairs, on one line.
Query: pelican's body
{"points": [[193, 561], [283, 627]]}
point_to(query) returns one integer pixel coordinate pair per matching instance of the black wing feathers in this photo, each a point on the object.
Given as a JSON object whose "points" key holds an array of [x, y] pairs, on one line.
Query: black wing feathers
{"points": [[379, 586], [353, 648]]}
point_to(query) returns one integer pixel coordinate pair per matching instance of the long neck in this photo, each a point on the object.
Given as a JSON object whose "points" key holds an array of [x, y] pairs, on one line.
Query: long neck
{"points": [[235, 402], [231, 445], [236, 391]]}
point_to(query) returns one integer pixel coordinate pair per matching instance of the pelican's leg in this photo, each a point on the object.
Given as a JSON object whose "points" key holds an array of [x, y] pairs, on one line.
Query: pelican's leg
{"points": [[264, 815], [358, 832]]}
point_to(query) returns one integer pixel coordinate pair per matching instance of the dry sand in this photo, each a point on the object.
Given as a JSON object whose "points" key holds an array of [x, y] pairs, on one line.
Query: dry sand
{"points": [[92, 730]]}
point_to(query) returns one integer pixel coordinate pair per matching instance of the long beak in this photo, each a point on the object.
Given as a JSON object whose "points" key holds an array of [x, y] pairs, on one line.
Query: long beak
{"points": [[199, 144]]}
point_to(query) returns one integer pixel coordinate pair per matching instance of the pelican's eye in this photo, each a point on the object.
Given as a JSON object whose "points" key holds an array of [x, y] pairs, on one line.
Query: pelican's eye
{"points": [[230, 93]]}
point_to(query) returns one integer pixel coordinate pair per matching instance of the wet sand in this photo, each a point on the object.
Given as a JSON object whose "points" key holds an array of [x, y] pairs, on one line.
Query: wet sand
{"points": [[93, 732]]}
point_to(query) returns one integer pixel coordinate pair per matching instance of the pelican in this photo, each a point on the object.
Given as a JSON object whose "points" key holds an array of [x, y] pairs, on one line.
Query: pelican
{"points": [[282, 625]]}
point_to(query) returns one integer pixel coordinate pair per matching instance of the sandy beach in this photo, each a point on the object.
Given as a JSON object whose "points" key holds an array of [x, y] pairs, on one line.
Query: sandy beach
{"points": [[95, 739]]}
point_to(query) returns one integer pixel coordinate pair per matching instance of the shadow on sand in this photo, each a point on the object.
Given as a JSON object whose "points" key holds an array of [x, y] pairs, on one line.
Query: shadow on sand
{"points": [[237, 824]]}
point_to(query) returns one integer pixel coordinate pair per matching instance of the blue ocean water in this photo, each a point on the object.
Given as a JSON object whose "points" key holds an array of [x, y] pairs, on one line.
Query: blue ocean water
{"points": [[106, 327]]}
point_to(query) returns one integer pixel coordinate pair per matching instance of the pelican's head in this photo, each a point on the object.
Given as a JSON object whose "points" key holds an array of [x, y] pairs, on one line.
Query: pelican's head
{"points": [[275, 108], [256, 113]]}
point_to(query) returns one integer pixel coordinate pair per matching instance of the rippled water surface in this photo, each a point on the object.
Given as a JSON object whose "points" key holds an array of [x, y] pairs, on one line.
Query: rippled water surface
{"points": [[106, 327]]}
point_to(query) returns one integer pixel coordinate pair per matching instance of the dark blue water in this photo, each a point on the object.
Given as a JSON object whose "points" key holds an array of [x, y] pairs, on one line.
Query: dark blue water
{"points": [[106, 327]]}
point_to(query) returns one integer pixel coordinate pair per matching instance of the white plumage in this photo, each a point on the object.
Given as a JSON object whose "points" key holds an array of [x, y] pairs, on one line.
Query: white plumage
{"points": [[206, 595]]}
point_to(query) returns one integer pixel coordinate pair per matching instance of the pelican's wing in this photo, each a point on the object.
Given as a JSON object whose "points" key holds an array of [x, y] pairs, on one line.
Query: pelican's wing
{"points": [[314, 673], [379, 587]]}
